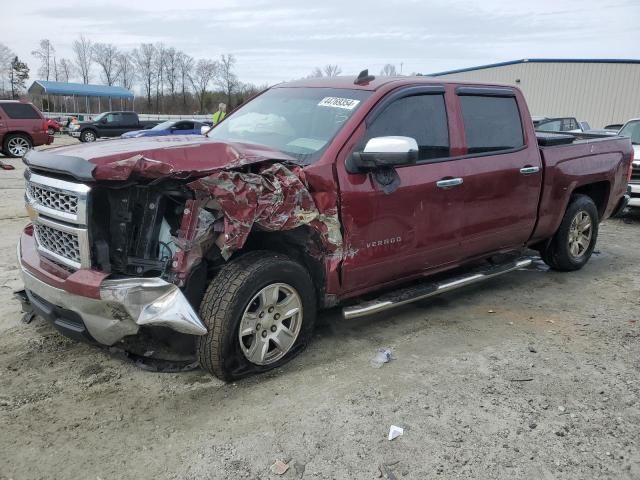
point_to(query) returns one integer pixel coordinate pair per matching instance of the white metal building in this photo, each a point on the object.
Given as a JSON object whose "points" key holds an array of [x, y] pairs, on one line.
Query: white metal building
{"points": [[601, 92]]}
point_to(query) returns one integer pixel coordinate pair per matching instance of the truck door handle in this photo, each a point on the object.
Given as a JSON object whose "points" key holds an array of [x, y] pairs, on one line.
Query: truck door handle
{"points": [[449, 183], [529, 170]]}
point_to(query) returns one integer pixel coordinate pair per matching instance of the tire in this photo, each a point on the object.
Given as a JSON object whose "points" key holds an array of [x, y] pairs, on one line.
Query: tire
{"points": [[16, 145], [233, 300], [51, 132], [88, 136], [561, 252]]}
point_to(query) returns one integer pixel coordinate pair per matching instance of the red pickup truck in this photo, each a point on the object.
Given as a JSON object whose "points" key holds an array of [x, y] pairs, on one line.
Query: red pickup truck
{"points": [[316, 193]]}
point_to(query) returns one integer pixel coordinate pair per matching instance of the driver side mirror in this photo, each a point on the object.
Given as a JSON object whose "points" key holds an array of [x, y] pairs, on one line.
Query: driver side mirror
{"points": [[380, 152]]}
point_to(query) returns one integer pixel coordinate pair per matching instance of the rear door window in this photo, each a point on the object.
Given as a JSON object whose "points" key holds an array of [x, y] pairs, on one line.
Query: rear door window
{"points": [[113, 118], [20, 111], [129, 119], [491, 123], [422, 117]]}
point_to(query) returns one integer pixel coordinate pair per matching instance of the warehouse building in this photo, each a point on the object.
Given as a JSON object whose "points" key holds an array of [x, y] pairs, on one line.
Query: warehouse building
{"points": [[601, 92]]}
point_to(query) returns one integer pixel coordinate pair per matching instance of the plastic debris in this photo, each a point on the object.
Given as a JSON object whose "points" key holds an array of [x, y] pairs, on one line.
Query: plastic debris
{"points": [[395, 432], [279, 468], [384, 355]]}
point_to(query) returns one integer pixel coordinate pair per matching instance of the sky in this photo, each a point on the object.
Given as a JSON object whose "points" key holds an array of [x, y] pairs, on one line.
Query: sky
{"points": [[279, 40]]}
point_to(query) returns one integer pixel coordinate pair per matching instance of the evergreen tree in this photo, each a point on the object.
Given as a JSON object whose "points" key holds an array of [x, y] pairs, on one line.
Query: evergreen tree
{"points": [[19, 73]]}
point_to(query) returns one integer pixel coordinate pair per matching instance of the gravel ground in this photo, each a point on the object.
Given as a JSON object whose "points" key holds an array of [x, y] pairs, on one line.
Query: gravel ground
{"points": [[531, 375]]}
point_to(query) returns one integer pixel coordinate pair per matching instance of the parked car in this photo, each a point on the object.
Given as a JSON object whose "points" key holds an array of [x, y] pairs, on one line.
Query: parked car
{"points": [[52, 126], [316, 193], [22, 127], [109, 124], [631, 129], [170, 127], [559, 124]]}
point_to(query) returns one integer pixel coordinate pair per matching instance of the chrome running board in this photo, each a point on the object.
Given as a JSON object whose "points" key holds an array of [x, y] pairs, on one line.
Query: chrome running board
{"points": [[420, 292]]}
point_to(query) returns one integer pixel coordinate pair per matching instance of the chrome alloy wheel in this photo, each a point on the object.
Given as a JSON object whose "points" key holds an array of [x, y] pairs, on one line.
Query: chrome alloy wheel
{"points": [[270, 324], [89, 136], [18, 146], [580, 233]]}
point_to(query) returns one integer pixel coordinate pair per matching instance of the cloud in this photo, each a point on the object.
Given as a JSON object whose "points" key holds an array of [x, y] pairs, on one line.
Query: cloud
{"points": [[276, 40]]}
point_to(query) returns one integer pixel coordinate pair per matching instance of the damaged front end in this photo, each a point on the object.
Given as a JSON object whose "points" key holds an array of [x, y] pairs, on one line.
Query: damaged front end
{"points": [[133, 242]]}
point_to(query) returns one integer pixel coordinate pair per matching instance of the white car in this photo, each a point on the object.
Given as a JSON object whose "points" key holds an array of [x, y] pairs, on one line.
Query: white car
{"points": [[631, 129]]}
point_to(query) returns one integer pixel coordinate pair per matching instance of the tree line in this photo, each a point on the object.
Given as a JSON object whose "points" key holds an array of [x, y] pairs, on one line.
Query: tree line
{"points": [[171, 81]]}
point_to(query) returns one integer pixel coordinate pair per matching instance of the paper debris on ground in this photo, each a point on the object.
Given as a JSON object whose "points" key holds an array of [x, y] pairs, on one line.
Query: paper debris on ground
{"points": [[395, 432]]}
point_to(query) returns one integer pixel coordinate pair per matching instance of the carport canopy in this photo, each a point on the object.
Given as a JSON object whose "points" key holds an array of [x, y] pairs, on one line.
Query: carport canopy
{"points": [[44, 87]]}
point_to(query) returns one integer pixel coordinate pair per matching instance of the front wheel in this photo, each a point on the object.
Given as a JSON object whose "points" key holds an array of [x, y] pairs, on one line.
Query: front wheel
{"points": [[260, 311], [573, 243], [88, 136]]}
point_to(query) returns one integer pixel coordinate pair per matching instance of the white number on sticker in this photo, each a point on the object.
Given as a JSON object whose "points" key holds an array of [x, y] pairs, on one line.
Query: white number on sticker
{"points": [[336, 102]]}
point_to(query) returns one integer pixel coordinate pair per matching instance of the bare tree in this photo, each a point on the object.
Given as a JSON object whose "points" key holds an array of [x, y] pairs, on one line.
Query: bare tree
{"points": [[106, 55], [45, 54], [144, 58], [225, 77], [327, 71], [126, 70], [388, 70], [201, 77], [56, 69], [332, 70], [171, 69], [185, 64], [316, 73], [65, 70], [160, 59], [84, 57]]}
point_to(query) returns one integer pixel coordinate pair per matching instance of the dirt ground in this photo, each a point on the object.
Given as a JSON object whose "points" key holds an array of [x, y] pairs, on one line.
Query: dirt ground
{"points": [[531, 375]]}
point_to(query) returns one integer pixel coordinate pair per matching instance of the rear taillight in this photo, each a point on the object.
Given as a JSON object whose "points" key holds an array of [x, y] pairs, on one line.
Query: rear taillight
{"points": [[630, 166]]}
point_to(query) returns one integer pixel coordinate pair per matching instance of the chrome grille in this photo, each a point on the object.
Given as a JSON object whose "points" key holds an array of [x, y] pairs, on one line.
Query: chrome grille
{"points": [[62, 244], [58, 199], [55, 200], [635, 174], [58, 209]]}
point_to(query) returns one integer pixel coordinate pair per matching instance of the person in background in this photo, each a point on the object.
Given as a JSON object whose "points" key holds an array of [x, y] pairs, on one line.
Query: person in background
{"points": [[219, 115]]}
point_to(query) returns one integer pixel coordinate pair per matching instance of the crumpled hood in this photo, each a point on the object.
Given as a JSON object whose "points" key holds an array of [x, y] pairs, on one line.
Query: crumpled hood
{"points": [[182, 156]]}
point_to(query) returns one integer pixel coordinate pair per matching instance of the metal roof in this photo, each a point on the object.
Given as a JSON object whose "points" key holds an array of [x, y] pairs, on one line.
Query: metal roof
{"points": [[43, 87], [538, 60]]}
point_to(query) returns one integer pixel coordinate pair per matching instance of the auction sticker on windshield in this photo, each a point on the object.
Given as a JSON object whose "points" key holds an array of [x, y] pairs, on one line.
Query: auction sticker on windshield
{"points": [[336, 102]]}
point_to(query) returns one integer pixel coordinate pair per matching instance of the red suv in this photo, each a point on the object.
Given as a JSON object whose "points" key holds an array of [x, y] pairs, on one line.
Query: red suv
{"points": [[22, 127]]}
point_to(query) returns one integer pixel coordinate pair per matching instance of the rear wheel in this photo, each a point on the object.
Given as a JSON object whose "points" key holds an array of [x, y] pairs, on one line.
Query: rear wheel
{"points": [[573, 243], [260, 311], [88, 136], [17, 145]]}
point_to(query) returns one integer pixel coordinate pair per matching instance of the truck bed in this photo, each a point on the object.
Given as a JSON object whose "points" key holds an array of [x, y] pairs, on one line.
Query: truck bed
{"points": [[586, 159]]}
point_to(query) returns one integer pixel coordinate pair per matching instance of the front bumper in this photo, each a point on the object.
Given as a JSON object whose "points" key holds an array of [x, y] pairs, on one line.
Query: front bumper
{"points": [[634, 194], [123, 306]]}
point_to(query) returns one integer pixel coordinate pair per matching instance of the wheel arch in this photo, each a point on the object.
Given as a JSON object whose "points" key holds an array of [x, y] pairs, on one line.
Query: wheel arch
{"points": [[302, 244], [17, 132], [598, 192]]}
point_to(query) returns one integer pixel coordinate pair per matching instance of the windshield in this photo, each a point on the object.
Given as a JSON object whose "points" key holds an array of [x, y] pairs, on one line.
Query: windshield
{"points": [[164, 125], [98, 117], [632, 130], [300, 122]]}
